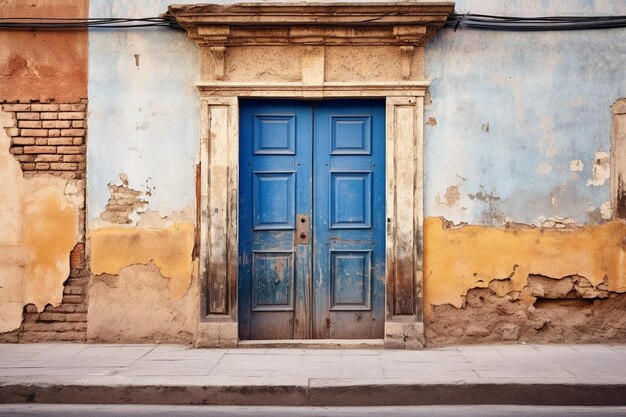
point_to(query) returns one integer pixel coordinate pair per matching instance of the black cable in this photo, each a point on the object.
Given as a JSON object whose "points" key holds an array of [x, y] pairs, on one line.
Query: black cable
{"points": [[27, 23], [456, 21], [525, 24]]}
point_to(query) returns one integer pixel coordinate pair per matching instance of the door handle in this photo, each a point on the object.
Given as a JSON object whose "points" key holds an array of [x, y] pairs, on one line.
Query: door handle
{"points": [[302, 229]]}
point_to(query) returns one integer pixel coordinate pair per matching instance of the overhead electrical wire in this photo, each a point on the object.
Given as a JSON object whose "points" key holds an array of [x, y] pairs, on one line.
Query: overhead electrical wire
{"points": [[526, 24], [455, 21], [25, 23]]}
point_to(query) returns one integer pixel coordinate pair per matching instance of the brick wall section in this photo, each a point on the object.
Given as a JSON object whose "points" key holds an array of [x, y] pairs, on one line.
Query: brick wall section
{"points": [[50, 138]]}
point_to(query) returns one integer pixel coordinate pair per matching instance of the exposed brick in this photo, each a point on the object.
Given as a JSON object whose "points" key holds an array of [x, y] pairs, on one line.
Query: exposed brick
{"points": [[60, 141], [42, 166], [68, 308], [31, 337], [31, 124], [28, 167], [35, 132], [55, 327], [57, 124], [77, 255], [16, 150], [71, 149], [73, 107], [73, 289], [40, 149], [82, 166], [51, 316], [78, 123], [23, 141], [25, 158], [47, 158], [78, 141], [54, 133], [73, 132], [30, 308], [49, 116], [64, 166], [27, 116], [41, 141], [16, 107], [72, 299], [73, 115], [44, 107], [73, 158]]}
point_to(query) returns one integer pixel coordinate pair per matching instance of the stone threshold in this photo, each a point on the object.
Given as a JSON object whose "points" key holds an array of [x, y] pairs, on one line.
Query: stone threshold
{"points": [[314, 343]]}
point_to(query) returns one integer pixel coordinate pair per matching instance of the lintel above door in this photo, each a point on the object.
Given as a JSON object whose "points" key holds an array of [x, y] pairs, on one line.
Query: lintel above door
{"points": [[319, 42]]}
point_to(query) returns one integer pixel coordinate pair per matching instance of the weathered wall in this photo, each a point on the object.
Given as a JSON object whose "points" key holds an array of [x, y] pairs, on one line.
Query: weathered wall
{"points": [[141, 196], [43, 93], [43, 65], [518, 134]]}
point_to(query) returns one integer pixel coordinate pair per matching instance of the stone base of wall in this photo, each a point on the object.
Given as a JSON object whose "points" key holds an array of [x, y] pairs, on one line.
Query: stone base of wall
{"points": [[564, 317]]}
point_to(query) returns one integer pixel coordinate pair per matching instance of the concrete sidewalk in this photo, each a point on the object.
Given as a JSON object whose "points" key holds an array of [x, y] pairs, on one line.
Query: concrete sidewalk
{"points": [[166, 374]]}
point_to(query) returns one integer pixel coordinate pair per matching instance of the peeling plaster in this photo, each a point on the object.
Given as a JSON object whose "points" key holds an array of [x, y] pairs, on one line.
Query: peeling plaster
{"points": [[39, 223], [170, 248], [457, 260], [136, 307], [576, 165], [450, 198], [605, 210], [601, 170]]}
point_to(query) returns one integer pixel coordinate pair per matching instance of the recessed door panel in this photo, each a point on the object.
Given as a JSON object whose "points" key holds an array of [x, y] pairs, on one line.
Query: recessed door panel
{"points": [[311, 219]]}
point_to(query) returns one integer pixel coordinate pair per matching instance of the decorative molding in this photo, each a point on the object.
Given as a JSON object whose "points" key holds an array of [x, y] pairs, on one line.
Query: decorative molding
{"points": [[393, 23], [406, 53], [218, 54], [326, 89]]}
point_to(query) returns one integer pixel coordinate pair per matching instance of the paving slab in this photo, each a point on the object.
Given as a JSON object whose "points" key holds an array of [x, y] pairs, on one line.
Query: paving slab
{"points": [[180, 375]]}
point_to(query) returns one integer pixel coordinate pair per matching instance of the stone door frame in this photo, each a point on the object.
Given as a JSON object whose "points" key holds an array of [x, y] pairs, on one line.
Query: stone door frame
{"points": [[404, 28]]}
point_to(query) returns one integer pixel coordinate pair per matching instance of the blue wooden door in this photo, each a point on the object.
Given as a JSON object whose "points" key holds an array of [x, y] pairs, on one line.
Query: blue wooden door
{"points": [[311, 219]]}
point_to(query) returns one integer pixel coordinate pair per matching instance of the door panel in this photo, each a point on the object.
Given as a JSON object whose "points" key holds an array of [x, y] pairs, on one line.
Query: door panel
{"points": [[349, 209], [311, 218], [275, 184]]}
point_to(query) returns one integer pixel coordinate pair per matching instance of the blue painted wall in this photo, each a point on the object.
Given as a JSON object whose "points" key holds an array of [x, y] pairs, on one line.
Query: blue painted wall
{"points": [[143, 109], [512, 110]]}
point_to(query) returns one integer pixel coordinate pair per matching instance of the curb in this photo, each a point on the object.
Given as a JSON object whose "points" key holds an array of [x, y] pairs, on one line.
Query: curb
{"points": [[337, 395]]}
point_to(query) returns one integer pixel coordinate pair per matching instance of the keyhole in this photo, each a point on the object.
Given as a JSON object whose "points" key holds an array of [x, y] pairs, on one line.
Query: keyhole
{"points": [[302, 220], [302, 235]]}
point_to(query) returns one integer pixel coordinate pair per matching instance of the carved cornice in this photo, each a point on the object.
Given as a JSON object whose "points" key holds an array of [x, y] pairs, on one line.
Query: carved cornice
{"points": [[393, 23]]}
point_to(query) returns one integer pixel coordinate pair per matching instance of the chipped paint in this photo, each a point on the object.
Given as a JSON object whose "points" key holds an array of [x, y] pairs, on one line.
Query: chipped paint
{"points": [[576, 165], [605, 210], [601, 170], [39, 224], [539, 110], [556, 222], [450, 198], [457, 260], [143, 119], [113, 248]]}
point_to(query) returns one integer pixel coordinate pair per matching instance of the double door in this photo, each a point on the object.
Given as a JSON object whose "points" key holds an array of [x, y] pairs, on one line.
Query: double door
{"points": [[311, 219]]}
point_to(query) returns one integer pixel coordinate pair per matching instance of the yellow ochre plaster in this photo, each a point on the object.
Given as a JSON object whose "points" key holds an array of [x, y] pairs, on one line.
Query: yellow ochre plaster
{"points": [[38, 230], [459, 259], [113, 248]]}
